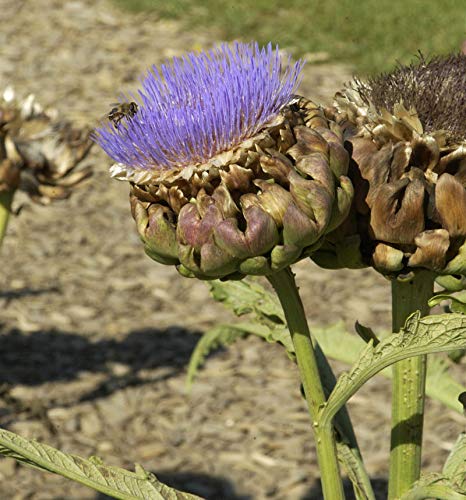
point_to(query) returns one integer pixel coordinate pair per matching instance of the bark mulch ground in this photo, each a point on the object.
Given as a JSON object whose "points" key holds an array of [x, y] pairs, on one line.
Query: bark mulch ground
{"points": [[95, 337]]}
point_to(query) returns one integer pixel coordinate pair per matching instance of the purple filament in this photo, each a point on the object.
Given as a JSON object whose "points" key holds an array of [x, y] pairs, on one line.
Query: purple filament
{"points": [[200, 105]]}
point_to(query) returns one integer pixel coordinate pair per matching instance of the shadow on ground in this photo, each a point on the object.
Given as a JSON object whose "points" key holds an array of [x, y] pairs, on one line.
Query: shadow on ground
{"points": [[380, 486], [218, 488], [9, 295], [206, 486], [147, 356], [54, 355]]}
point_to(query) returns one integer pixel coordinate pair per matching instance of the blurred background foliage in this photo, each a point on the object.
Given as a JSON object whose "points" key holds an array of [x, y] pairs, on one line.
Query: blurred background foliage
{"points": [[368, 34]]}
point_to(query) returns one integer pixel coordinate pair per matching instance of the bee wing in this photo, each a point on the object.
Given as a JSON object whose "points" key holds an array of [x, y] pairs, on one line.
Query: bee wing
{"points": [[104, 118]]}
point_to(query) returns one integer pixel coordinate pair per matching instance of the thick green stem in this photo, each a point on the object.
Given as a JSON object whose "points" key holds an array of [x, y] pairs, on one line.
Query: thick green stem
{"points": [[6, 198], [344, 428], [285, 286], [408, 393]]}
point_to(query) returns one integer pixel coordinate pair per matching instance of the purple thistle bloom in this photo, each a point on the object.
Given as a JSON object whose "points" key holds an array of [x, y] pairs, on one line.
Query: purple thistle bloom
{"points": [[200, 105]]}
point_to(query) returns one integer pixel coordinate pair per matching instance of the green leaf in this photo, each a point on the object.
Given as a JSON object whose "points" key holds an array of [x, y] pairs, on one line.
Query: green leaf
{"points": [[249, 297], [338, 344], [433, 486], [427, 335], [457, 301], [242, 297], [450, 484], [451, 283], [225, 335], [334, 340], [455, 466], [220, 336], [112, 481], [354, 467]]}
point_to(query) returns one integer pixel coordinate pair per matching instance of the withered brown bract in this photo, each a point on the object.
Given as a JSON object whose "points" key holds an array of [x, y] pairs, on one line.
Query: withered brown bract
{"points": [[406, 133], [40, 153]]}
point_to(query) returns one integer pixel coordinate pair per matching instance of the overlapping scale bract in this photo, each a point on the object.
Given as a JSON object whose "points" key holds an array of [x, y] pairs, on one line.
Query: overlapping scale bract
{"points": [[255, 209], [406, 132]]}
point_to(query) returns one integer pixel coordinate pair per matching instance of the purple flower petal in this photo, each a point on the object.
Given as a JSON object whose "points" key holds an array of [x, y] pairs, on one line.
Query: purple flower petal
{"points": [[200, 105]]}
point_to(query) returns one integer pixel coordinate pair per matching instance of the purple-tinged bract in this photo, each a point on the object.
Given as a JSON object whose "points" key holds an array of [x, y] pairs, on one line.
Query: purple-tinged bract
{"points": [[200, 105]]}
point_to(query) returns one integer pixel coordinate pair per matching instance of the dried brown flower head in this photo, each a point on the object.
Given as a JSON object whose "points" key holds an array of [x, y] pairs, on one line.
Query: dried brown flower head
{"points": [[406, 132], [435, 88], [39, 153]]}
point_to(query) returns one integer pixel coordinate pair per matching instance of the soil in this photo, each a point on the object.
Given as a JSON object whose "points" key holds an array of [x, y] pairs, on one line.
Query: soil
{"points": [[95, 337]]}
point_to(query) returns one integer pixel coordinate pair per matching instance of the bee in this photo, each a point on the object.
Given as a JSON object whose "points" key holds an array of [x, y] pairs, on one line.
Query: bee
{"points": [[122, 110]]}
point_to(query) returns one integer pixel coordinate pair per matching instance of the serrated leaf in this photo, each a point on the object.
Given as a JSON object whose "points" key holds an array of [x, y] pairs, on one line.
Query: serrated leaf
{"points": [[457, 301], [455, 465], [436, 486], [356, 472], [338, 344], [220, 336], [248, 297], [419, 336], [334, 340], [112, 481]]}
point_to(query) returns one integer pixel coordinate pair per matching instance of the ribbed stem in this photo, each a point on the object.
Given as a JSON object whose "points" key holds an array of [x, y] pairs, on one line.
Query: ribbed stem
{"points": [[408, 393], [6, 198], [285, 286]]}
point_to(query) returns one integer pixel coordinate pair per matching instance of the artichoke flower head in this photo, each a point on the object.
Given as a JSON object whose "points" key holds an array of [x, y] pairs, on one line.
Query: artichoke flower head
{"points": [[406, 132], [230, 173], [40, 153]]}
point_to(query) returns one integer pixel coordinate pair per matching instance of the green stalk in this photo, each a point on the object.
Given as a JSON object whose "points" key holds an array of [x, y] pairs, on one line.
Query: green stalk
{"points": [[408, 393], [6, 198], [344, 428], [285, 286]]}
